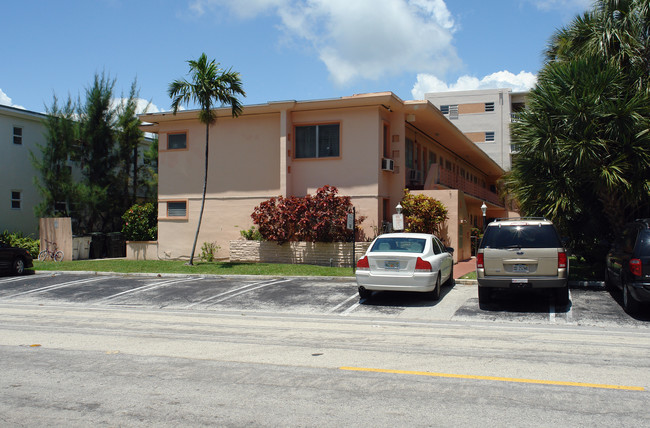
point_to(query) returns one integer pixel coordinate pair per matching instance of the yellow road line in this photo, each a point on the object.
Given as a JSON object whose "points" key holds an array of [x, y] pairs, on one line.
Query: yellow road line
{"points": [[498, 379]]}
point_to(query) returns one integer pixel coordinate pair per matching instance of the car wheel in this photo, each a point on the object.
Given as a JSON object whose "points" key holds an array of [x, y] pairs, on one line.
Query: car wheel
{"points": [[18, 266], [364, 293], [562, 296], [484, 296], [630, 305], [435, 294]]}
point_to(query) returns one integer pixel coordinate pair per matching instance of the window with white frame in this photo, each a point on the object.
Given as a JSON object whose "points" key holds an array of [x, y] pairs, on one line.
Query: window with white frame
{"points": [[318, 141], [489, 136], [451, 110], [16, 199], [18, 135]]}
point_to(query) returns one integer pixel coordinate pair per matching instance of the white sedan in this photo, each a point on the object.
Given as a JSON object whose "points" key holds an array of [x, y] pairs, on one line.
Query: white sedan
{"points": [[405, 262]]}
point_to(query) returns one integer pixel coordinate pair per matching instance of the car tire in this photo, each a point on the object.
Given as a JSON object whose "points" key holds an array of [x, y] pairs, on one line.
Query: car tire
{"points": [[484, 296], [435, 294], [630, 305], [562, 296], [18, 266], [364, 293]]}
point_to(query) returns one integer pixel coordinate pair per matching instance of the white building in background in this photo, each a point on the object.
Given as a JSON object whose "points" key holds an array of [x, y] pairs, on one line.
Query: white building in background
{"points": [[21, 131], [484, 116]]}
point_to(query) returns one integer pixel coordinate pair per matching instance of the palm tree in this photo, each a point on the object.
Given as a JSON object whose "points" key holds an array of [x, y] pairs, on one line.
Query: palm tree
{"points": [[209, 86]]}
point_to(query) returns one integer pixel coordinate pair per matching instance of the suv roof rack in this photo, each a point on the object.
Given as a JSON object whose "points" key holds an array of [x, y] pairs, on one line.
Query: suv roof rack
{"points": [[520, 218]]}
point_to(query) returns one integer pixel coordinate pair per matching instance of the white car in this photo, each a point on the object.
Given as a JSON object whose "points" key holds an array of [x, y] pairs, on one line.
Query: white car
{"points": [[405, 262]]}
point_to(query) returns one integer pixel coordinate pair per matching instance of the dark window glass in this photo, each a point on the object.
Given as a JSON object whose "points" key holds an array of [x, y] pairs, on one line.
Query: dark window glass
{"points": [[18, 135], [403, 245], [317, 141], [533, 236], [643, 246], [177, 209], [409, 153], [176, 141]]}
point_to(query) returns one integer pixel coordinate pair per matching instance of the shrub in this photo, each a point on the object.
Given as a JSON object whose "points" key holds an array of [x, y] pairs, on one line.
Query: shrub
{"points": [[251, 234], [208, 251], [18, 240], [422, 214], [318, 218], [140, 223]]}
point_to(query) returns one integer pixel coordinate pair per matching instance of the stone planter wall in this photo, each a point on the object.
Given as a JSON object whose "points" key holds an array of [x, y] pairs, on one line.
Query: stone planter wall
{"points": [[141, 250], [336, 254]]}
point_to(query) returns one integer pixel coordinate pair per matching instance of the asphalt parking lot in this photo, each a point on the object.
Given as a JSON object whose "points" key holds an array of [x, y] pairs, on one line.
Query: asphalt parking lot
{"points": [[592, 306]]}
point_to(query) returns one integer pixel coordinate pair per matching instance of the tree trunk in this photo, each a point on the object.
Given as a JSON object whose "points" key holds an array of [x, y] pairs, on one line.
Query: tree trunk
{"points": [[205, 185]]}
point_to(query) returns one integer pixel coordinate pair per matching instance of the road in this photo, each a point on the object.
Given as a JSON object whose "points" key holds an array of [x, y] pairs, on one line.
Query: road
{"points": [[80, 350]]}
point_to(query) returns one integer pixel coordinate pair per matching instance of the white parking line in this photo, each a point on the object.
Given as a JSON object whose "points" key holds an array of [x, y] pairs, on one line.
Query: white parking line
{"points": [[236, 292], [354, 296], [146, 288], [54, 287], [350, 309], [12, 279]]}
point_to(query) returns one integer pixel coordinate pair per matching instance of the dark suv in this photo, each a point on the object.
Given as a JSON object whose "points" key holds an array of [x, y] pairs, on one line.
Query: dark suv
{"points": [[628, 264], [522, 253]]}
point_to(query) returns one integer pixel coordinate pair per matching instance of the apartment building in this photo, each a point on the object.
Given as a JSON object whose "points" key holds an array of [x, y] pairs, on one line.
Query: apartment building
{"points": [[370, 146], [484, 116]]}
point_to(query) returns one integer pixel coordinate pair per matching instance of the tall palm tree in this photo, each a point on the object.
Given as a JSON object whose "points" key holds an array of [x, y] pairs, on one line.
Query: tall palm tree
{"points": [[209, 86]]}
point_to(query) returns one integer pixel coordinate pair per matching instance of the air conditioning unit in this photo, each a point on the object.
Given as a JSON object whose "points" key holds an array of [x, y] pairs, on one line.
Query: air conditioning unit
{"points": [[387, 164]]}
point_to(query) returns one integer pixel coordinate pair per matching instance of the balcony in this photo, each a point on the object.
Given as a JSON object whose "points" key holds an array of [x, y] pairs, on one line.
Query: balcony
{"points": [[438, 178]]}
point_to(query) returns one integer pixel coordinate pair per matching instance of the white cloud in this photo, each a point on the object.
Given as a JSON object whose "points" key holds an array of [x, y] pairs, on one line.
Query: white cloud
{"points": [[143, 106], [5, 100], [501, 79], [361, 38], [562, 5]]}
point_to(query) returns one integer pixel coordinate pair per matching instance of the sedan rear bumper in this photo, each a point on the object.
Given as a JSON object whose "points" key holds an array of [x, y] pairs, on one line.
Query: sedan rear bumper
{"points": [[419, 282]]}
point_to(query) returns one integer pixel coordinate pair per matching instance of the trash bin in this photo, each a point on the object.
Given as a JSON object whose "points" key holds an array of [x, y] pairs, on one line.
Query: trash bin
{"points": [[84, 247], [115, 245], [97, 245]]}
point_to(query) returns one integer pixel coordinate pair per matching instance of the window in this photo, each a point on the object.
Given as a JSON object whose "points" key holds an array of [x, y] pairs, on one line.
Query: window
{"points": [[489, 136], [409, 153], [176, 141], [444, 109], [15, 199], [317, 141], [18, 135], [177, 209], [489, 106], [453, 112]]}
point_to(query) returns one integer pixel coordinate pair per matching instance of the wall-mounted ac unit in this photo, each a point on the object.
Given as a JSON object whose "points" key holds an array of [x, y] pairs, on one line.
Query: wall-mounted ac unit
{"points": [[387, 164]]}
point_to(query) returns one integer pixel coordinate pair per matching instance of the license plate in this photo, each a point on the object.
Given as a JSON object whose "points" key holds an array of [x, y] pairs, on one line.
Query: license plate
{"points": [[390, 264], [520, 268], [520, 280]]}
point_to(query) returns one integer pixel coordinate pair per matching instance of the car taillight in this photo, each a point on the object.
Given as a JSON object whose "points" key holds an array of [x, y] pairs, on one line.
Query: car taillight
{"points": [[636, 267], [363, 263], [422, 265], [479, 260], [561, 260]]}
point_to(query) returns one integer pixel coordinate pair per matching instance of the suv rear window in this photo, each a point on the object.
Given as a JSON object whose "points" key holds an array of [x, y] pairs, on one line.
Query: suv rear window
{"points": [[643, 245], [521, 236]]}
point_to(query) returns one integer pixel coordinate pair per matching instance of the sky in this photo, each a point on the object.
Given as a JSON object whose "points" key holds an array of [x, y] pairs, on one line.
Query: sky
{"points": [[283, 49]]}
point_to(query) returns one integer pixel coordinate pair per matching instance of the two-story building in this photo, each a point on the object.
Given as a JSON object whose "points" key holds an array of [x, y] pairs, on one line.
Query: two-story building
{"points": [[370, 146]]}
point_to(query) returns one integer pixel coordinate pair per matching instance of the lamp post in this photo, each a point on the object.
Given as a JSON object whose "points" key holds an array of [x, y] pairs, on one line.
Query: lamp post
{"points": [[398, 219], [484, 210]]}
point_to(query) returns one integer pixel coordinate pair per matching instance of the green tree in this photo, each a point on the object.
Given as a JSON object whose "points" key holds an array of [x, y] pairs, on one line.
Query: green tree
{"points": [[98, 157], [209, 86], [423, 214], [584, 148], [55, 182]]}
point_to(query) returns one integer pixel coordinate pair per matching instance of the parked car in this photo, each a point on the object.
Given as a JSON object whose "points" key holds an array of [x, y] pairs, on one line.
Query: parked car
{"points": [[13, 259], [522, 253], [405, 262], [628, 264]]}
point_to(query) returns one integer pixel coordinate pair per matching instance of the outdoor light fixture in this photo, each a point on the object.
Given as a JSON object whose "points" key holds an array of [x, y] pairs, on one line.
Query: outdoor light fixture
{"points": [[399, 209], [484, 210]]}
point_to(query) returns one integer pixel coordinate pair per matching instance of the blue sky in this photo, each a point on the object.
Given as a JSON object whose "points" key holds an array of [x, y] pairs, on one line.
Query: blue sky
{"points": [[284, 49]]}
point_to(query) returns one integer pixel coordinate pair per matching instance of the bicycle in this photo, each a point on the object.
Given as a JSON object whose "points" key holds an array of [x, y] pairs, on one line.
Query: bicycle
{"points": [[55, 255]]}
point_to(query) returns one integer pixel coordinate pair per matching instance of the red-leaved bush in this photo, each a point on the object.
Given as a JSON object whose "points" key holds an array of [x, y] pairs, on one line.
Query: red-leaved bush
{"points": [[318, 218]]}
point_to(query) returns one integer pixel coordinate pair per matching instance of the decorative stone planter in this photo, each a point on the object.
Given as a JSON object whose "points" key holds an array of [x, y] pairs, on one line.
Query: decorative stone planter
{"points": [[141, 250], [335, 254]]}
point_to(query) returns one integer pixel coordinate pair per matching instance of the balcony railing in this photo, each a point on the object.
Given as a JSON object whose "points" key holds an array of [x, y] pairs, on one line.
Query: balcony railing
{"points": [[452, 180]]}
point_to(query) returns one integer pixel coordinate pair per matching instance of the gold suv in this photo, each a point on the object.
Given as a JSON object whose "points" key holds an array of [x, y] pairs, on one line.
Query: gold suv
{"points": [[522, 253]]}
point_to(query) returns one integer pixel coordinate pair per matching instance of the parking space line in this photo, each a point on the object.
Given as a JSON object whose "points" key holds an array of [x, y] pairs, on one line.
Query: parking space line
{"points": [[54, 287], [350, 309], [354, 296], [12, 279], [498, 379], [237, 291], [146, 288]]}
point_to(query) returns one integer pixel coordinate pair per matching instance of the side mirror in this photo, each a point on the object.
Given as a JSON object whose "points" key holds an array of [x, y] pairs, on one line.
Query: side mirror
{"points": [[449, 250]]}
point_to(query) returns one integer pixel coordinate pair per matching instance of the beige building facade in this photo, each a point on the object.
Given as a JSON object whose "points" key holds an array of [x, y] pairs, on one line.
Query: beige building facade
{"points": [[370, 146]]}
